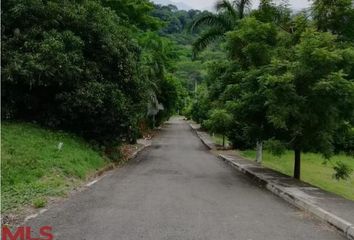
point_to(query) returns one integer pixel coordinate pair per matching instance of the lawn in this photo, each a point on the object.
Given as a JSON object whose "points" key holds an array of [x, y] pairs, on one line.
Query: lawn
{"points": [[217, 139], [314, 170], [33, 168]]}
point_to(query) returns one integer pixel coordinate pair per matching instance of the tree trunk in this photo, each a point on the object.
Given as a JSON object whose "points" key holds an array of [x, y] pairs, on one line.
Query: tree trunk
{"points": [[297, 164], [153, 121], [195, 86], [259, 151], [223, 141]]}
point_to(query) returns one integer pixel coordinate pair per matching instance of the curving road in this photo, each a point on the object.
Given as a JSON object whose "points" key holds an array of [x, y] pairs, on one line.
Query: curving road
{"points": [[174, 190]]}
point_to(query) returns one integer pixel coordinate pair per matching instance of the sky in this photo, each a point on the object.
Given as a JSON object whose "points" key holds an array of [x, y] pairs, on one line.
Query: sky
{"points": [[208, 4]]}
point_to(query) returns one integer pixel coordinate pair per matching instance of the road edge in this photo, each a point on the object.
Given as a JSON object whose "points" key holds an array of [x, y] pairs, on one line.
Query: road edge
{"points": [[100, 174], [207, 142], [342, 225]]}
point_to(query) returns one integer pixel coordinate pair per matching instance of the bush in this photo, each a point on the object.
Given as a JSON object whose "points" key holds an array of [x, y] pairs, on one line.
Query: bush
{"points": [[107, 112], [70, 65]]}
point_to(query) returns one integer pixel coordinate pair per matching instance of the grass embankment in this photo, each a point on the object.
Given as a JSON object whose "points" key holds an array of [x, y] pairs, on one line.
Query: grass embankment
{"points": [[33, 168], [314, 170]]}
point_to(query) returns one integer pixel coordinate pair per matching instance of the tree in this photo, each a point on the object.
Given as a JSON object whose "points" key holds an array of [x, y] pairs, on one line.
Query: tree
{"points": [[226, 19], [84, 66], [200, 105], [157, 58], [310, 95], [251, 46], [335, 16], [286, 83], [219, 122], [66, 57], [136, 12]]}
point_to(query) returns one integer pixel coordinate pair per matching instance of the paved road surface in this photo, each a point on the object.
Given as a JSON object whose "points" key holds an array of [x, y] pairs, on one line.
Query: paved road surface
{"points": [[175, 190]]}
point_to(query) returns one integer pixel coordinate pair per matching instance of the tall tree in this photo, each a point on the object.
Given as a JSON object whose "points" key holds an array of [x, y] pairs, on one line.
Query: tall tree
{"points": [[251, 46], [310, 95]]}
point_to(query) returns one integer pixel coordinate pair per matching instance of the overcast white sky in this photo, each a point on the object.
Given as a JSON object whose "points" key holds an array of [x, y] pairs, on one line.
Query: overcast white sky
{"points": [[208, 4]]}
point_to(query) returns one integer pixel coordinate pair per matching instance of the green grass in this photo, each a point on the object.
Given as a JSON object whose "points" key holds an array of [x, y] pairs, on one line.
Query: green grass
{"points": [[217, 139], [314, 170], [39, 202], [33, 168]]}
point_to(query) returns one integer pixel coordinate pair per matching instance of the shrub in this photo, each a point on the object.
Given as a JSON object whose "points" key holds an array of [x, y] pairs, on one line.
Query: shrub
{"points": [[70, 65]]}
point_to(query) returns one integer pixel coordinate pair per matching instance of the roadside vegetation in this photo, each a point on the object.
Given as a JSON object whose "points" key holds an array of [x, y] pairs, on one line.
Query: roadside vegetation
{"points": [[38, 163], [99, 69], [287, 81], [315, 169]]}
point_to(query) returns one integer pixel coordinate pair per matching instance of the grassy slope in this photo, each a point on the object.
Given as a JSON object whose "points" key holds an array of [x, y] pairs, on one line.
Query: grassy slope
{"points": [[314, 170], [33, 168]]}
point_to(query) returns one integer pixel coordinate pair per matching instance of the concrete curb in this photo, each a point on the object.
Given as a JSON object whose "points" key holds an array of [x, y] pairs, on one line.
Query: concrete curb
{"points": [[344, 226], [207, 142]]}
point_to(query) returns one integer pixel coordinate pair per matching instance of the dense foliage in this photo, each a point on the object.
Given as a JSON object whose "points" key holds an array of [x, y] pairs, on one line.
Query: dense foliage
{"points": [[288, 80], [91, 67]]}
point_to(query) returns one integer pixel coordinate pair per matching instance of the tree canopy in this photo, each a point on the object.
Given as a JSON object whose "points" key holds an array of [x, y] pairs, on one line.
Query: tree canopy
{"points": [[89, 67], [288, 78]]}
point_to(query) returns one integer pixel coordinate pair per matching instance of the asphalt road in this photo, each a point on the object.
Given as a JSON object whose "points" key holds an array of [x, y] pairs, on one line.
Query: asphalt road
{"points": [[176, 189]]}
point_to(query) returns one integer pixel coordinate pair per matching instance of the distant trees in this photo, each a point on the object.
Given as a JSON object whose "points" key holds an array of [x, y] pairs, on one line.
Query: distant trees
{"points": [[175, 20], [201, 105], [187, 71]]}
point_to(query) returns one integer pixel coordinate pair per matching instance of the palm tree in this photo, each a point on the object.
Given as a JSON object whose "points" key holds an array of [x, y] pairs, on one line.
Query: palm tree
{"points": [[226, 18]]}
